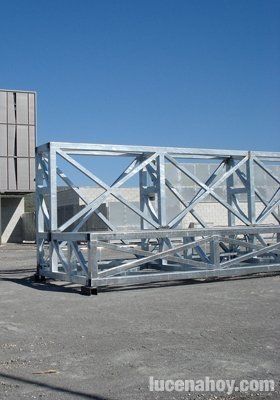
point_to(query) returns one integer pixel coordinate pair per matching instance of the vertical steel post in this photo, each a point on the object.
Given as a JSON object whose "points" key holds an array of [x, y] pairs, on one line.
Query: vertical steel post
{"points": [[161, 192], [215, 251], [251, 189], [53, 203], [92, 267], [92, 260], [0, 220], [40, 224], [143, 184], [229, 187]]}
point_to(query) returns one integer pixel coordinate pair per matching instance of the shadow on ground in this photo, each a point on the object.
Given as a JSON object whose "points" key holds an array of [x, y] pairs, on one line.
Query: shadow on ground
{"points": [[58, 389], [52, 286]]}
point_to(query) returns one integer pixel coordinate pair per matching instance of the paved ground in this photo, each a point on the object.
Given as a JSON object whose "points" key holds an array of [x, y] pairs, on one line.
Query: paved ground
{"points": [[107, 346]]}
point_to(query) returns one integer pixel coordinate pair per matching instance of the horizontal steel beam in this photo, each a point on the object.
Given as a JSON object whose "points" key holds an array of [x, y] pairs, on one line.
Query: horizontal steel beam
{"points": [[163, 233]]}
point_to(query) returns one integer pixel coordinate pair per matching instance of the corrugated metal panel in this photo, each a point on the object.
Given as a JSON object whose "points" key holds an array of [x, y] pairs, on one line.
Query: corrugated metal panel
{"points": [[3, 107], [3, 174], [3, 140], [31, 99], [17, 140], [11, 108], [32, 141], [22, 141], [22, 108], [12, 173], [11, 140]]}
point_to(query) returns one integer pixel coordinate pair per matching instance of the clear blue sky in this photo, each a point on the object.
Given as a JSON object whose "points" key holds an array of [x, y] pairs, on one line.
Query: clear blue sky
{"points": [[194, 73]]}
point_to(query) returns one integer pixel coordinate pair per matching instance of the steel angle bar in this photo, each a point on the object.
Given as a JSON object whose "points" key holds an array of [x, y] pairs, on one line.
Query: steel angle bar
{"points": [[91, 206], [44, 210], [113, 148], [211, 180], [184, 203], [144, 253], [260, 239], [270, 206], [178, 195], [152, 171], [152, 211], [229, 192], [266, 169], [180, 275], [209, 190], [82, 169], [251, 188], [238, 242], [243, 243], [79, 279], [92, 260], [134, 163], [237, 204], [83, 220], [104, 153], [215, 251], [120, 181], [79, 256], [73, 236], [171, 233], [135, 170], [159, 255], [43, 165], [267, 155], [111, 191], [250, 255], [68, 181], [62, 258], [258, 194], [161, 190]]}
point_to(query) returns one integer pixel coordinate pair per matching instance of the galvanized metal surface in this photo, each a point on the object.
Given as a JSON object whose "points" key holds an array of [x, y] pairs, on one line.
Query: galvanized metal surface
{"points": [[158, 250]]}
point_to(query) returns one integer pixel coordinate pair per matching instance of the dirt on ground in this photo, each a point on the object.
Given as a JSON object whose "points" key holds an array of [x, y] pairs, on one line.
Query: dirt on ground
{"points": [[57, 344]]}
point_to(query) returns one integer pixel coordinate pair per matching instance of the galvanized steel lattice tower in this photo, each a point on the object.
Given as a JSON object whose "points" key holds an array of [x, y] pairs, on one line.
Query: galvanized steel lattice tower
{"points": [[162, 248]]}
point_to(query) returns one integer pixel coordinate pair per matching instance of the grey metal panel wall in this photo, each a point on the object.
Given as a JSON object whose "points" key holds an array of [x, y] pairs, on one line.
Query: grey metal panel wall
{"points": [[17, 141], [3, 140], [3, 174]]}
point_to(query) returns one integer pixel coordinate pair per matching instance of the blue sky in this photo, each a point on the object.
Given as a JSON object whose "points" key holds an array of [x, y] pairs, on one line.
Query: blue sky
{"points": [[191, 73]]}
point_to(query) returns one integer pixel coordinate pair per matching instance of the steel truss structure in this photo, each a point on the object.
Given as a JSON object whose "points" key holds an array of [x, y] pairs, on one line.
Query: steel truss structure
{"points": [[160, 250]]}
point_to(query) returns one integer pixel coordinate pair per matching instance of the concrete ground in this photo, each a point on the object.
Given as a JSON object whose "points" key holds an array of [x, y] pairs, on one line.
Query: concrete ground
{"points": [[57, 344]]}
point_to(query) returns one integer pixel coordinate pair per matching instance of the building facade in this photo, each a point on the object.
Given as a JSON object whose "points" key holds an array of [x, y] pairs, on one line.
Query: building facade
{"points": [[17, 158]]}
